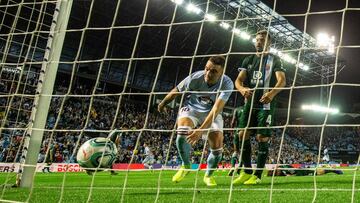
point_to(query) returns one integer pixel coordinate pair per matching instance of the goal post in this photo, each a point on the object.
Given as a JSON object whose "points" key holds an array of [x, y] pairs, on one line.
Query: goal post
{"points": [[49, 67]]}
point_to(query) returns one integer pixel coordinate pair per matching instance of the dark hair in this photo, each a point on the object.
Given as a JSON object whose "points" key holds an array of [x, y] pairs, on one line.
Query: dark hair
{"points": [[264, 32], [218, 60]]}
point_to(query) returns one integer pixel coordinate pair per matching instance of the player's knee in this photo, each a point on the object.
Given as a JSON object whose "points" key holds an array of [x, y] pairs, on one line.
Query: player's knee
{"points": [[183, 131], [216, 139], [216, 151]]}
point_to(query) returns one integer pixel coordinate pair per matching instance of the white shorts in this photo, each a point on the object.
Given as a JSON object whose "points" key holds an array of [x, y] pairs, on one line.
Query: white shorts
{"points": [[148, 160], [326, 158], [199, 117]]}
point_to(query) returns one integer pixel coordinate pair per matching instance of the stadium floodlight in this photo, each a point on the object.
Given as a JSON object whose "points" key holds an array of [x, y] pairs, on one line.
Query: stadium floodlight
{"points": [[225, 25], [331, 48], [273, 50], [303, 66], [323, 40], [178, 2], [245, 35], [236, 31], [317, 108], [254, 40], [192, 8], [210, 17], [287, 58]]}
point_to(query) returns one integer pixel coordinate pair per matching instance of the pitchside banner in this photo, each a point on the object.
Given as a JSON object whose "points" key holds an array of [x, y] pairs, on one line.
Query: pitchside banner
{"points": [[74, 167], [55, 167]]}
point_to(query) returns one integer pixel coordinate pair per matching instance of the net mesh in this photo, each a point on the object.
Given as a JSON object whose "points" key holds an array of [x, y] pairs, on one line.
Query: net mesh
{"points": [[120, 58]]}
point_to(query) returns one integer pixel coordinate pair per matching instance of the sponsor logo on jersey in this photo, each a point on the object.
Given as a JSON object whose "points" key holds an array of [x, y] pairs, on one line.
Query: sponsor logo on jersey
{"points": [[205, 100], [257, 76]]}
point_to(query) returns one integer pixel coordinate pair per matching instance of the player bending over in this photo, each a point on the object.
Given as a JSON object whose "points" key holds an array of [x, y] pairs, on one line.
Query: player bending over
{"points": [[286, 170], [201, 111], [258, 76]]}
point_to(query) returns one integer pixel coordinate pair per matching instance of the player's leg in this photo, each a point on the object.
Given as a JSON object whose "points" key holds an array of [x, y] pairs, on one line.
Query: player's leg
{"points": [[235, 155], [151, 163], [184, 128], [263, 136], [245, 150], [146, 162], [185, 123], [262, 156], [245, 159], [215, 140]]}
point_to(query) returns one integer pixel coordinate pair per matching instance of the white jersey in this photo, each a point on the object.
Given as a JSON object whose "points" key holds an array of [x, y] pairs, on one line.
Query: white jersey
{"points": [[326, 152], [326, 155], [149, 157], [148, 152], [203, 102]]}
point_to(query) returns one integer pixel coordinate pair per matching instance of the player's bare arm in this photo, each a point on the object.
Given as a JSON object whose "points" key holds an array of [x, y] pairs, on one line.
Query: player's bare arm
{"points": [[168, 98], [281, 82], [216, 109], [239, 84]]}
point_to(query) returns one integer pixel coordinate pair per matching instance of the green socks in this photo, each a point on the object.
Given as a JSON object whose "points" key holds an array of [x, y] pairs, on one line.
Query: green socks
{"points": [[261, 157], [246, 156]]}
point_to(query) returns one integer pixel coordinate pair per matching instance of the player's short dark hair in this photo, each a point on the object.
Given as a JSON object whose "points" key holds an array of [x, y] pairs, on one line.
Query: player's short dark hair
{"points": [[218, 60], [264, 33]]}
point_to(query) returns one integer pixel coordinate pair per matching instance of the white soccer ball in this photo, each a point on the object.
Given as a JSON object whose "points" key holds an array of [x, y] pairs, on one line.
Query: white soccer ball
{"points": [[97, 152]]}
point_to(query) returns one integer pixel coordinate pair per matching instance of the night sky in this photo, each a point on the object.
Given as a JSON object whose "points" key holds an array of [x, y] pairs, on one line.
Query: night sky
{"points": [[343, 97]]}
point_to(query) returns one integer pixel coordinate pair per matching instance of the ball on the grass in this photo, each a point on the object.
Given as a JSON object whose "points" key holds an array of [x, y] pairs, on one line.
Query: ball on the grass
{"points": [[91, 152]]}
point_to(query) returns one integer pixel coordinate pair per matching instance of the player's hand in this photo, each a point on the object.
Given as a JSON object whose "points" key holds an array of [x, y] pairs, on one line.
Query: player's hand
{"points": [[246, 92], [162, 108], [266, 98], [194, 137]]}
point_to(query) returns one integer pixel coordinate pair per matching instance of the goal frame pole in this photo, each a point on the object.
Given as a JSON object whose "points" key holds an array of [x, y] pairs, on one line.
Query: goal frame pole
{"points": [[34, 135]]}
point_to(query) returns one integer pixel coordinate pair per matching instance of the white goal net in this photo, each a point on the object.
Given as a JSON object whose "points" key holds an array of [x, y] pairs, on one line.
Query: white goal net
{"points": [[71, 71]]}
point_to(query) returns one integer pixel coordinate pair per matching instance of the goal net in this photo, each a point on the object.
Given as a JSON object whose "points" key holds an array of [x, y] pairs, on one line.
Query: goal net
{"points": [[71, 71]]}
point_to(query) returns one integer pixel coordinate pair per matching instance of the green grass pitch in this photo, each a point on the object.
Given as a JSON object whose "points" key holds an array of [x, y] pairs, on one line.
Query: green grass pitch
{"points": [[142, 186]]}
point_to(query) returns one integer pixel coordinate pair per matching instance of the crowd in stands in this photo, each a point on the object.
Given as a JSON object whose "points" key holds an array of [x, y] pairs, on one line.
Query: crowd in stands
{"points": [[334, 138], [299, 144]]}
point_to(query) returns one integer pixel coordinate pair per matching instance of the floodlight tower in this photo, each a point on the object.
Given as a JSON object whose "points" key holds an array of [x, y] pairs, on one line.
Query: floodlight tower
{"points": [[325, 41]]}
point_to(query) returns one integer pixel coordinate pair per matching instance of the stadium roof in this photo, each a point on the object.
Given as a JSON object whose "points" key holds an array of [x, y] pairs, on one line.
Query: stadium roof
{"points": [[286, 37], [254, 15]]}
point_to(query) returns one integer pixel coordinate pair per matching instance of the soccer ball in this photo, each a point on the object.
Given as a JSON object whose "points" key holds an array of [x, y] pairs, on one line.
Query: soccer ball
{"points": [[90, 153]]}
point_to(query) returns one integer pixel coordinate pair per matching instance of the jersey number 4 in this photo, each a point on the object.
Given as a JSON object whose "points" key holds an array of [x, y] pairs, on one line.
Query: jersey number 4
{"points": [[268, 121]]}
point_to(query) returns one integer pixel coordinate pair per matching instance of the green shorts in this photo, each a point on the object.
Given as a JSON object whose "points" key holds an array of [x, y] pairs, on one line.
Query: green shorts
{"points": [[259, 118]]}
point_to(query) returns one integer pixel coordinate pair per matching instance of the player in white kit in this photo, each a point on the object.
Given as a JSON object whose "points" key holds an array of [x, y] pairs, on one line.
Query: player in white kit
{"points": [[326, 157], [149, 157], [201, 110]]}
